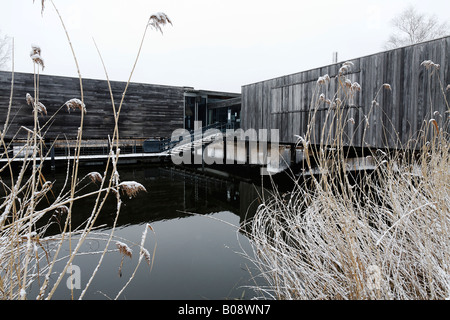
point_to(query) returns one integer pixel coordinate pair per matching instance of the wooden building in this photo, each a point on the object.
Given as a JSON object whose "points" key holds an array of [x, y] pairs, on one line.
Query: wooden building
{"points": [[149, 110], [285, 103]]}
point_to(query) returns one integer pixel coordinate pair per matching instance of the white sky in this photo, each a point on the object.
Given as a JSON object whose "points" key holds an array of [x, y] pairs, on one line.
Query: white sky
{"points": [[212, 45]]}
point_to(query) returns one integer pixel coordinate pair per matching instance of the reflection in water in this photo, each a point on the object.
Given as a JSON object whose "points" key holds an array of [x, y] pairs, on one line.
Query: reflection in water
{"points": [[197, 255], [171, 194]]}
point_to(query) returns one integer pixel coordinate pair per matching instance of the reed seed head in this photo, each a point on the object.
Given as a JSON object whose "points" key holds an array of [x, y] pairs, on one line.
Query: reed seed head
{"points": [[158, 20], [38, 60], [35, 55], [62, 210], [343, 69], [41, 108], [35, 49], [146, 255], [131, 188], [30, 100], [124, 249], [95, 177], [324, 79], [73, 104], [356, 86], [346, 66], [322, 97], [348, 83], [428, 64]]}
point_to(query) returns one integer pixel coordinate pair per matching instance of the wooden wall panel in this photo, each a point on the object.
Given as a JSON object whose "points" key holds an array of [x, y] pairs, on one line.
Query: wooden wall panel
{"points": [[148, 110], [284, 103]]}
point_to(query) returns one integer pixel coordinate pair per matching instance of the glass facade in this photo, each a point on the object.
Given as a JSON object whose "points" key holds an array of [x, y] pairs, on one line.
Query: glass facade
{"points": [[197, 107], [194, 110]]}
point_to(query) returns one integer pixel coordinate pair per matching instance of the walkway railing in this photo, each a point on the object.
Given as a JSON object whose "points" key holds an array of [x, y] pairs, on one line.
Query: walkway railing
{"points": [[165, 145]]}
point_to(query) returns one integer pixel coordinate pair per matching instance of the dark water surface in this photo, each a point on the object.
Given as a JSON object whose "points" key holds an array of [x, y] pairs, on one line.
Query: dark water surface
{"points": [[197, 256]]}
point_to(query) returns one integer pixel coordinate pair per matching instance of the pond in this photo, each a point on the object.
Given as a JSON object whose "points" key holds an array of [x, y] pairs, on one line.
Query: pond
{"points": [[197, 245]]}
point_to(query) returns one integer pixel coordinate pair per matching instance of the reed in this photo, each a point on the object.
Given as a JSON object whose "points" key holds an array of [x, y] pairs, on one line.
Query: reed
{"points": [[28, 255], [382, 234]]}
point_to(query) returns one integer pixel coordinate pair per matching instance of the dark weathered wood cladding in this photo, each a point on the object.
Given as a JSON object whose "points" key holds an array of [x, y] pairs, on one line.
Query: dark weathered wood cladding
{"points": [[148, 110], [284, 103]]}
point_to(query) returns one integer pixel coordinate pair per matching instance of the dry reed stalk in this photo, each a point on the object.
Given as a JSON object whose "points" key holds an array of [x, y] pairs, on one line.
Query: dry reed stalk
{"points": [[5, 126], [113, 157], [98, 206], [382, 235], [143, 254], [21, 250], [156, 21]]}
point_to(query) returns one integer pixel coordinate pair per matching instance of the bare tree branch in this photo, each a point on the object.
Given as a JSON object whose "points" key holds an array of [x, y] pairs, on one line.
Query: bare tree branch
{"points": [[412, 27], [5, 54]]}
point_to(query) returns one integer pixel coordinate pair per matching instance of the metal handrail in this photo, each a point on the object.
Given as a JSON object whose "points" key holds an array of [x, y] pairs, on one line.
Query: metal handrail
{"points": [[168, 144]]}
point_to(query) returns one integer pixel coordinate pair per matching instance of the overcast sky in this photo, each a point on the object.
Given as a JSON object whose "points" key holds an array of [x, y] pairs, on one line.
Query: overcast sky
{"points": [[212, 45]]}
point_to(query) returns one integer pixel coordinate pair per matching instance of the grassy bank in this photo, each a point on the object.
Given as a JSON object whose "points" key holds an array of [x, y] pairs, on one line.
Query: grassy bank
{"points": [[383, 234]]}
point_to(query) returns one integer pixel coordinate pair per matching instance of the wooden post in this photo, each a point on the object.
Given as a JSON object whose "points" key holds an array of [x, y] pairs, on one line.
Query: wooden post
{"points": [[224, 150], [203, 157], [52, 156]]}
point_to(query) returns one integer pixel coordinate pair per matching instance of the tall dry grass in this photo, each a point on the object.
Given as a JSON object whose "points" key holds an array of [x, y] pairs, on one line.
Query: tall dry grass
{"points": [[382, 234], [28, 255]]}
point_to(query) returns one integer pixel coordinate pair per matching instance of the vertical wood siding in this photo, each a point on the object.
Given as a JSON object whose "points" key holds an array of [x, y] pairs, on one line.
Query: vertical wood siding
{"points": [[284, 103]]}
